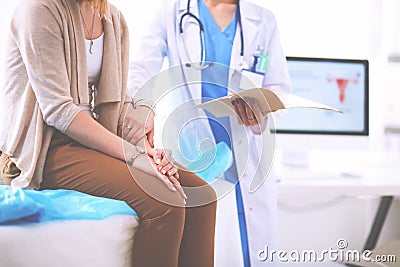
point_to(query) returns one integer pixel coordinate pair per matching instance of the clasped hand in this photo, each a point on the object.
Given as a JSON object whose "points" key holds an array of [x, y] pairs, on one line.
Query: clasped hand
{"points": [[140, 123], [156, 162], [163, 164]]}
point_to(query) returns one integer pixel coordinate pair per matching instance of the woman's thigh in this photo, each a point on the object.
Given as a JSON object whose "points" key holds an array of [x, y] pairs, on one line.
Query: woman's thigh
{"points": [[198, 191], [74, 167]]}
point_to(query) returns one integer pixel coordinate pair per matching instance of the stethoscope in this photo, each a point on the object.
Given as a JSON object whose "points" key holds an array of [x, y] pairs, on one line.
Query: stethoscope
{"points": [[203, 63]]}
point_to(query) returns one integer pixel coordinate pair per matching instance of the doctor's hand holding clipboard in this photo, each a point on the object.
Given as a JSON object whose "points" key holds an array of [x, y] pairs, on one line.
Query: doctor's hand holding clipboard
{"points": [[248, 110]]}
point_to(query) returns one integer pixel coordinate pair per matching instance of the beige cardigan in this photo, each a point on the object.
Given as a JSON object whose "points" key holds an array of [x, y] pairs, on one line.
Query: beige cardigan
{"points": [[46, 80]]}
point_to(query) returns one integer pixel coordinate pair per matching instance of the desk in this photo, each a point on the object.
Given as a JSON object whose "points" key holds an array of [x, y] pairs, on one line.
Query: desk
{"points": [[370, 174], [355, 174]]}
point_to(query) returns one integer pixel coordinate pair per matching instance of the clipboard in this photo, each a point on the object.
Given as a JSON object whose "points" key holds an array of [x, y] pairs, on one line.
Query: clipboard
{"points": [[268, 100]]}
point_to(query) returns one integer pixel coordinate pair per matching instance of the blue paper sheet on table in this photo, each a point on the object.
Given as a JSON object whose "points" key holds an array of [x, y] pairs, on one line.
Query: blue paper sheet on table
{"points": [[26, 205]]}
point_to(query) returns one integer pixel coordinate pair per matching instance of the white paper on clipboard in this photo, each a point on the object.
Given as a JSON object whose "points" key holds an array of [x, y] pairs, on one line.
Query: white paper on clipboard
{"points": [[268, 101]]}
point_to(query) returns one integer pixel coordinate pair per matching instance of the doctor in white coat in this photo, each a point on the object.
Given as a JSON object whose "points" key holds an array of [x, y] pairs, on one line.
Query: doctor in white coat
{"points": [[178, 33]]}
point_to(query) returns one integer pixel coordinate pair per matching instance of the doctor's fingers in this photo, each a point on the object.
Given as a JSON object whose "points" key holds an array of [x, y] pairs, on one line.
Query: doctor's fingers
{"points": [[236, 107], [250, 112], [242, 112], [246, 112], [258, 113]]}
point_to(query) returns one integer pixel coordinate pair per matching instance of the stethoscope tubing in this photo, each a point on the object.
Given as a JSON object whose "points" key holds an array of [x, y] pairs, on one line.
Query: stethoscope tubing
{"points": [[202, 35]]}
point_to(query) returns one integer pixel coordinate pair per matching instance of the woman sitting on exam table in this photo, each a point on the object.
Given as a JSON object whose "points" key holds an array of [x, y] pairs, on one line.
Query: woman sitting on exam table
{"points": [[64, 109], [204, 35]]}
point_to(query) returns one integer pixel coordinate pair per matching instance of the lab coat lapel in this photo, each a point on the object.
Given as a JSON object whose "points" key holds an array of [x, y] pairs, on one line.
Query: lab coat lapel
{"points": [[250, 21]]}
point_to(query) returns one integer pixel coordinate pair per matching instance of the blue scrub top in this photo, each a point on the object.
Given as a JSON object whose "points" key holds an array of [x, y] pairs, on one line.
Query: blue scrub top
{"points": [[218, 48]]}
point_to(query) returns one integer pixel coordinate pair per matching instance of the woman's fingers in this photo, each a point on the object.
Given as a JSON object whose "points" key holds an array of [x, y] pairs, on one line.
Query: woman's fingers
{"points": [[168, 152], [178, 187], [166, 168], [132, 134], [146, 163], [173, 184], [161, 157], [173, 171], [150, 137], [132, 130], [169, 170], [157, 155], [166, 181], [164, 162], [166, 165]]}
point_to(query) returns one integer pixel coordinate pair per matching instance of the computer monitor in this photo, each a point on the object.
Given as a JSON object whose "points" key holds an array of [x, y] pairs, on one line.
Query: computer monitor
{"points": [[339, 83]]}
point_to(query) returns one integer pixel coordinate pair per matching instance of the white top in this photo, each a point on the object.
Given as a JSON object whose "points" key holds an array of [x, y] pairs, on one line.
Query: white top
{"points": [[94, 60], [94, 63]]}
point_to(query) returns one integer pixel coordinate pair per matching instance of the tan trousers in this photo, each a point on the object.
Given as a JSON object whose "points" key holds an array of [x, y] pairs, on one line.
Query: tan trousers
{"points": [[168, 235]]}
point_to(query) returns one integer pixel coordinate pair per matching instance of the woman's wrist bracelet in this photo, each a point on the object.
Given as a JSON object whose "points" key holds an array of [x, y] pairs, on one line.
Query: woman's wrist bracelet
{"points": [[143, 102], [139, 150]]}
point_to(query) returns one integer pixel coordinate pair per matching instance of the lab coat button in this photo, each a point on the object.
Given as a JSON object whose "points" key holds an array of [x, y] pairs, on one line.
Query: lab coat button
{"points": [[240, 141], [250, 209]]}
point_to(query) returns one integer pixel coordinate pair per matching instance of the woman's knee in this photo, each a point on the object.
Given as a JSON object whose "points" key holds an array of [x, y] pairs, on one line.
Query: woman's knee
{"points": [[210, 194], [159, 211], [198, 191]]}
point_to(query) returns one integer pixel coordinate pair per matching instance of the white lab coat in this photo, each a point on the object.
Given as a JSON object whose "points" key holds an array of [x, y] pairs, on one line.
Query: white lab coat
{"points": [[253, 153]]}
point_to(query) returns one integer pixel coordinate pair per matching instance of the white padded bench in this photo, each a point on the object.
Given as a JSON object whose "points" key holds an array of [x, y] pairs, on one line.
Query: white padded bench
{"points": [[78, 243]]}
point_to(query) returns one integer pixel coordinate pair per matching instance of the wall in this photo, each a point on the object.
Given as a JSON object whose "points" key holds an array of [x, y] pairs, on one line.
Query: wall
{"points": [[5, 16]]}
